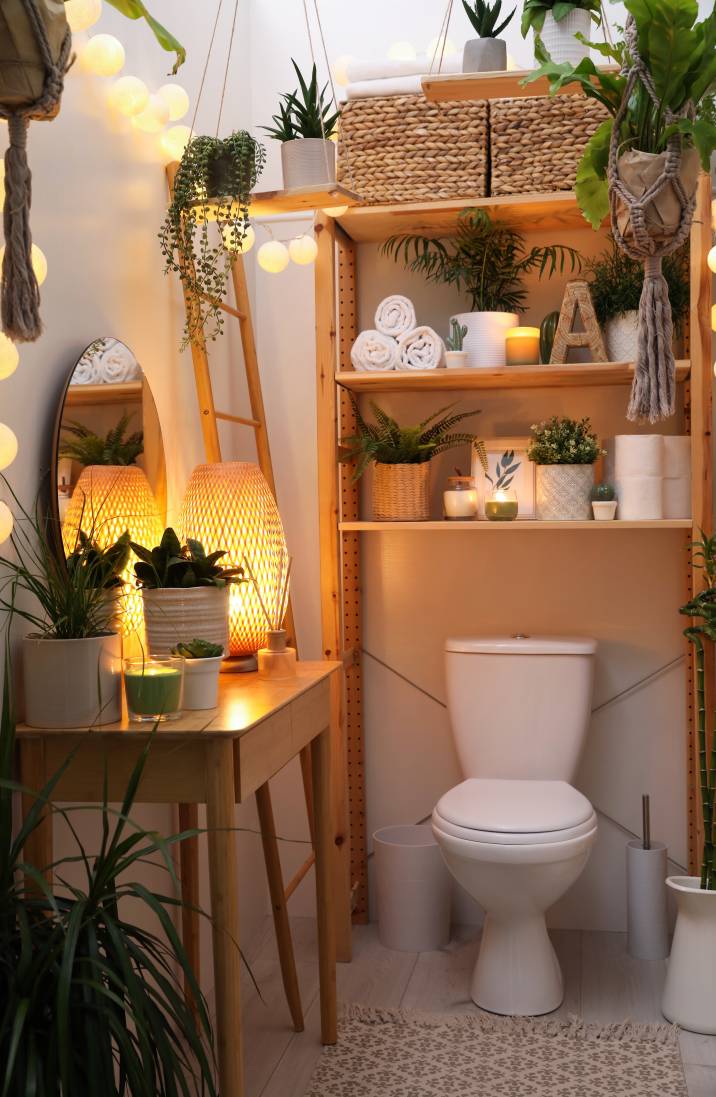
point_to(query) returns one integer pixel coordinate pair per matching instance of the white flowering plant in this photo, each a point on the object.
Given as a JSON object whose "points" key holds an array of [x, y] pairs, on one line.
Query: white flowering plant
{"points": [[562, 441]]}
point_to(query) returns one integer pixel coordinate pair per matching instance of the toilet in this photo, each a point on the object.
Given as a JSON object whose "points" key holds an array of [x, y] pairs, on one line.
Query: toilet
{"points": [[515, 834]]}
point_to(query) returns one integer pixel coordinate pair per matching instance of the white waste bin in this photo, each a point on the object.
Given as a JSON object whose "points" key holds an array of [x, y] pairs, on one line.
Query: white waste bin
{"points": [[413, 889]]}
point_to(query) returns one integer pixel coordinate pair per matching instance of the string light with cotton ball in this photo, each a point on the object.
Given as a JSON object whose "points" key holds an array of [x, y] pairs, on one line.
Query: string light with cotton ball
{"points": [[340, 70], [103, 55], [82, 14], [154, 117], [8, 446], [402, 51], [303, 250], [9, 357], [711, 259], [234, 242], [39, 263], [5, 522], [176, 99], [273, 257], [435, 48], [174, 141], [128, 96]]}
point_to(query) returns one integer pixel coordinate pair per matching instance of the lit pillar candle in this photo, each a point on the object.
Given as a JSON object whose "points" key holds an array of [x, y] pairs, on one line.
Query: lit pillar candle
{"points": [[522, 347], [501, 506], [153, 688]]}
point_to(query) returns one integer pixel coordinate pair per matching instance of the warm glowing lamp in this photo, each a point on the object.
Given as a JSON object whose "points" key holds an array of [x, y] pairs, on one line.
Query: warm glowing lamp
{"points": [[9, 357], [436, 48], [230, 506], [8, 446], [176, 99], [39, 262], [174, 141], [82, 14], [103, 55], [303, 250], [273, 256], [107, 500], [154, 117], [129, 95], [5, 522], [340, 70], [711, 259], [402, 51], [230, 239]]}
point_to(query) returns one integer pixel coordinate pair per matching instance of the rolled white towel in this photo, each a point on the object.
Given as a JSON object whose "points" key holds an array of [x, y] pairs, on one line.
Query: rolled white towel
{"points": [[640, 498], [396, 85], [117, 364], [359, 71], [677, 455], [395, 316], [421, 349], [86, 372], [374, 352], [677, 496], [638, 455]]}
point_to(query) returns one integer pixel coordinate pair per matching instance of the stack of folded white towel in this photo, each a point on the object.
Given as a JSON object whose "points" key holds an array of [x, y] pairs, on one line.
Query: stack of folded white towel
{"points": [[397, 342], [651, 475], [379, 78]]}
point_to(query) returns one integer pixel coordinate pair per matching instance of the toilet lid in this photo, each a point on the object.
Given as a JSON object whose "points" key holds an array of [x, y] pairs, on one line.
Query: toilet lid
{"points": [[514, 807]]}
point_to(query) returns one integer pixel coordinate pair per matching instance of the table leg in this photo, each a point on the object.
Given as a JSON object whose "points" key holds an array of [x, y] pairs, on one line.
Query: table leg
{"points": [[189, 879], [323, 821], [223, 882], [38, 847]]}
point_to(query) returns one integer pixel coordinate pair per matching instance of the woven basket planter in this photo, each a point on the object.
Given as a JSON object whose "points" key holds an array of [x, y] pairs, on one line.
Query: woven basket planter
{"points": [[536, 144], [401, 493], [403, 149]]}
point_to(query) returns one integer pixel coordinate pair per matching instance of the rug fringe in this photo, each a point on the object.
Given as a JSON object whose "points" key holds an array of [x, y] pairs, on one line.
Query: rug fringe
{"points": [[572, 1028]]}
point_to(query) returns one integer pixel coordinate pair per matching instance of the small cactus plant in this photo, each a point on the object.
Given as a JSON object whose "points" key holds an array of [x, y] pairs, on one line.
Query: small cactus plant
{"points": [[457, 334], [603, 493], [547, 332]]}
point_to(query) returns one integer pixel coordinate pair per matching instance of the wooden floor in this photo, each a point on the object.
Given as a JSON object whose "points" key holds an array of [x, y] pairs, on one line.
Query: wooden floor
{"points": [[602, 984]]}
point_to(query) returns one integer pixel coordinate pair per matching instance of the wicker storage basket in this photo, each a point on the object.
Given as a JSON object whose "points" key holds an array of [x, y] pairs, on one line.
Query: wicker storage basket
{"points": [[536, 144], [401, 493], [402, 148]]}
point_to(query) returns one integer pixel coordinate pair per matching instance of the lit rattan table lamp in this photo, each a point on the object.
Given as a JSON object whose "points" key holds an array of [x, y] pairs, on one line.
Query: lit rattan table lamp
{"points": [[230, 506]]}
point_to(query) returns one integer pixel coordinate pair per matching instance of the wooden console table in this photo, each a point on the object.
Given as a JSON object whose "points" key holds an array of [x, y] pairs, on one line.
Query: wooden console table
{"points": [[217, 758]]}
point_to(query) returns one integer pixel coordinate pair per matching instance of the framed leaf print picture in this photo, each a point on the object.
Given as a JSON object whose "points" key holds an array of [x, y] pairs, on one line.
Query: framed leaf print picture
{"points": [[507, 467]]}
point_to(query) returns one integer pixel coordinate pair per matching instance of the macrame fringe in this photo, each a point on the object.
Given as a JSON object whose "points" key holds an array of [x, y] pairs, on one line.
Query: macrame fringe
{"points": [[20, 291], [653, 394]]}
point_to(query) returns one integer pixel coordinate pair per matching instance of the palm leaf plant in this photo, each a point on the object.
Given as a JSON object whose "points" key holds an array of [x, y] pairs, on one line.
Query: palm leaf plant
{"points": [[83, 445], [484, 16], [308, 115]]}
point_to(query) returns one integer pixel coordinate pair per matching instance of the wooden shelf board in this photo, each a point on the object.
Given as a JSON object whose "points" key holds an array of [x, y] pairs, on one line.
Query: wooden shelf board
{"points": [[127, 392], [515, 527], [453, 87], [576, 374], [301, 199], [528, 212]]}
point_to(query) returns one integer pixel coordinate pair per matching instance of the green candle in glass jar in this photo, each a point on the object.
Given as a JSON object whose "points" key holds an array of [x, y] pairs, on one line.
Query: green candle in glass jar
{"points": [[153, 688], [501, 506]]}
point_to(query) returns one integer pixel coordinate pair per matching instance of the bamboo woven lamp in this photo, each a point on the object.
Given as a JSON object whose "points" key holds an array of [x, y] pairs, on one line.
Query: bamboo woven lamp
{"points": [[230, 506], [107, 500]]}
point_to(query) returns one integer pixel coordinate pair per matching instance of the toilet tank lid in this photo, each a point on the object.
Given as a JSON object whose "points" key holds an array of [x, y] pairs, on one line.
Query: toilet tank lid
{"points": [[522, 645], [514, 806]]}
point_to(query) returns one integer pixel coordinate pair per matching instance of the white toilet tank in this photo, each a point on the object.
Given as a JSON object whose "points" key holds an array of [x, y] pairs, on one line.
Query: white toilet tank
{"points": [[520, 705]]}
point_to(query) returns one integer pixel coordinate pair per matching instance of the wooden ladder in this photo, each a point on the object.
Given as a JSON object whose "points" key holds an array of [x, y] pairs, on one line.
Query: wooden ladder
{"points": [[188, 813]]}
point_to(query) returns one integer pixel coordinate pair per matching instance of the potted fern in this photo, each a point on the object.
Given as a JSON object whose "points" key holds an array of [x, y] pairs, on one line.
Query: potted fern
{"points": [[487, 52], [304, 124], [562, 26], [402, 456], [487, 261]]}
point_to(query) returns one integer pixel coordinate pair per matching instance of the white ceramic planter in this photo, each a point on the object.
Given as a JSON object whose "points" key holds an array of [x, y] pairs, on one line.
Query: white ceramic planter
{"points": [[201, 683], [485, 339], [689, 996], [308, 162], [456, 359], [173, 616], [72, 683], [622, 336], [484, 55], [559, 40], [604, 510], [563, 493]]}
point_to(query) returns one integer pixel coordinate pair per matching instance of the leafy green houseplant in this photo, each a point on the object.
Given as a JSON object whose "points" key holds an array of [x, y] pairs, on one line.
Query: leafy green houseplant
{"points": [[202, 664], [402, 455], [487, 52], [564, 451], [304, 124], [81, 444], [558, 25], [213, 183], [135, 9], [487, 261]]}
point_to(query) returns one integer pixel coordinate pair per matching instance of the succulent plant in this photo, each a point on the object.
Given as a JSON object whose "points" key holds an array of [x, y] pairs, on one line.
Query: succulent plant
{"points": [[102, 567], [547, 332], [307, 116], [483, 15], [603, 493], [198, 649], [172, 564]]}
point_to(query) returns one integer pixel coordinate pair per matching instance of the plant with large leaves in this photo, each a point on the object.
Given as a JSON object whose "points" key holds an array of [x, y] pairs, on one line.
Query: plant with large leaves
{"points": [[135, 9]]}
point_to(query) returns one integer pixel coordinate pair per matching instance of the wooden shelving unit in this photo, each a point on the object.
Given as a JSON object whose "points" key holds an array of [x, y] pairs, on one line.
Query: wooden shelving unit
{"points": [[126, 392], [526, 526], [453, 87]]}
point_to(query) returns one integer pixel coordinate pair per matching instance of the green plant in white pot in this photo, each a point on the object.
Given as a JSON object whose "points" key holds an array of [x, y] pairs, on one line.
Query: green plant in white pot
{"points": [[564, 451], [304, 125], [487, 52], [486, 260], [689, 998], [557, 23], [202, 664]]}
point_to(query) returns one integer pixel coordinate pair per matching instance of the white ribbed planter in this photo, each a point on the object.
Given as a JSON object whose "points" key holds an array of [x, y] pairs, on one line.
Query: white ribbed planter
{"points": [[72, 683], [689, 996], [173, 616], [308, 162], [622, 336], [485, 339], [563, 493], [559, 40]]}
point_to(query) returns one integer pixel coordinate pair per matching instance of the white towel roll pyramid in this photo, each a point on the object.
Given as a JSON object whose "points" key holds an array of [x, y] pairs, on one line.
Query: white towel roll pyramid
{"points": [[374, 352], [395, 316], [677, 455], [638, 455], [421, 349], [639, 498]]}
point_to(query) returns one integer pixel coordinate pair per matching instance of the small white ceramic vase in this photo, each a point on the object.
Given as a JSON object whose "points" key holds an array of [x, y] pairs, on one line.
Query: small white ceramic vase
{"points": [[689, 998], [563, 493], [622, 336], [201, 682], [559, 40], [485, 339], [456, 359], [72, 683], [604, 510], [173, 615], [308, 162]]}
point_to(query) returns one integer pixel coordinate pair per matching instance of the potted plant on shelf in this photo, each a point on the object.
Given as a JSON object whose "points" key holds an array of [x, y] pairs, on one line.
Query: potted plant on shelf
{"points": [[689, 997], [616, 282], [455, 354], [604, 503], [202, 663], [213, 183], [562, 27], [487, 260], [402, 455], [564, 451], [487, 52], [547, 332], [304, 125], [184, 592]]}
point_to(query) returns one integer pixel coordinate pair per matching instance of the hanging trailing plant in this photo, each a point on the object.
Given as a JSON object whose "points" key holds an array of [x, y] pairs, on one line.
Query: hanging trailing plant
{"points": [[207, 221]]}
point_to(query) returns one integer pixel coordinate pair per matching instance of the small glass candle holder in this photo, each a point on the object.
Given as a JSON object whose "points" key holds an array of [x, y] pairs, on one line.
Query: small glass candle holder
{"points": [[501, 506], [460, 498], [153, 687], [522, 347]]}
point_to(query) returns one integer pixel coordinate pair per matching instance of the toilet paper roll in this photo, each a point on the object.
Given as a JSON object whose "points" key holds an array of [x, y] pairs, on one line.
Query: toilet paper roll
{"points": [[677, 496], [638, 455], [639, 498], [677, 455]]}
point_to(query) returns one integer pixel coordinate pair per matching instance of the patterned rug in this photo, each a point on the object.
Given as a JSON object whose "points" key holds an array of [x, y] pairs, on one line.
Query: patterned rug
{"points": [[397, 1053]]}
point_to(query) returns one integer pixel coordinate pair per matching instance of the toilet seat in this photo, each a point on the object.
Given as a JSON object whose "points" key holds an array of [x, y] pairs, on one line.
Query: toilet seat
{"points": [[501, 812]]}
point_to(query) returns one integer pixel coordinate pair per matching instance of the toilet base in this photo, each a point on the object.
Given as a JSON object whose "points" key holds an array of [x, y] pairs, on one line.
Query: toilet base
{"points": [[517, 971]]}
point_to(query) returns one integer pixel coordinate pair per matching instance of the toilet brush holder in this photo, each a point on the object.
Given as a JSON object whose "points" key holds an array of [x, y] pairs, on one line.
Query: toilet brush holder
{"points": [[647, 928], [277, 660]]}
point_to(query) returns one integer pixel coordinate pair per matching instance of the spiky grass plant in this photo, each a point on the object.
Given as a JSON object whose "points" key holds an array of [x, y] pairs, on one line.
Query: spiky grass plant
{"points": [[486, 260], [81, 444], [308, 115], [483, 15]]}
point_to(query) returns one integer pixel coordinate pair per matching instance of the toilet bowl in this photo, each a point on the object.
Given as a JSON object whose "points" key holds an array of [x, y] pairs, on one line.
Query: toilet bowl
{"points": [[515, 834]]}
